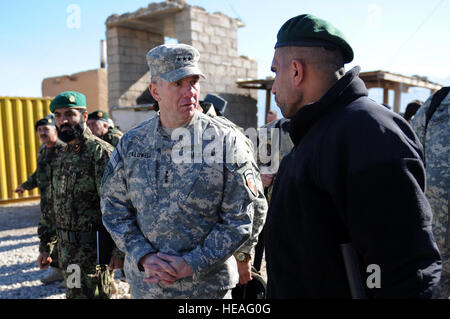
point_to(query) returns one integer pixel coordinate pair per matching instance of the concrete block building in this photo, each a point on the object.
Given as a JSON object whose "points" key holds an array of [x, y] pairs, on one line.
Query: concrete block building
{"points": [[131, 35]]}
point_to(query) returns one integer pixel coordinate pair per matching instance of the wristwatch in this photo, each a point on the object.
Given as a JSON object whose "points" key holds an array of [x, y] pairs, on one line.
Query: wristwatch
{"points": [[242, 257]]}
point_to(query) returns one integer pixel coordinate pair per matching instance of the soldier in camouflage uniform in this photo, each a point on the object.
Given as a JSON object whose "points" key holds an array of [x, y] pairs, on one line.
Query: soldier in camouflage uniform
{"points": [[76, 175], [179, 222], [98, 123], [244, 254], [269, 163], [41, 178], [435, 139], [101, 126], [275, 151]]}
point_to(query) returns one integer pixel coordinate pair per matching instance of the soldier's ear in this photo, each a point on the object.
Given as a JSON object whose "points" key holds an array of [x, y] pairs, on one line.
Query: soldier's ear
{"points": [[297, 71], [84, 115], [154, 91]]}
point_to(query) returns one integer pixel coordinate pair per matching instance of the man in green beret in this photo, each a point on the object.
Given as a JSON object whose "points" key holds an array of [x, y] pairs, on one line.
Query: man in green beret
{"points": [[354, 181], [98, 123], [77, 171], [41, 178]]}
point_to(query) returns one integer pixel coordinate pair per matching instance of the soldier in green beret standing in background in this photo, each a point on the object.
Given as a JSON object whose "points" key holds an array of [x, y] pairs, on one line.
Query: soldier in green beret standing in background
{"points": [[99, 125], [76, 175], [41, 178]]}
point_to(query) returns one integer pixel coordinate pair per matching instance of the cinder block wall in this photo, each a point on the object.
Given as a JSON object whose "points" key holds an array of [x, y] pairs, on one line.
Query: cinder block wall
{"points": [[128, 73], [213, 34]]}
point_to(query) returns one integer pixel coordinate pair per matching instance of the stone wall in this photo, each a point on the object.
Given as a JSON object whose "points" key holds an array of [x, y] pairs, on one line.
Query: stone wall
{"points": [[213, 34], [128, 73]]}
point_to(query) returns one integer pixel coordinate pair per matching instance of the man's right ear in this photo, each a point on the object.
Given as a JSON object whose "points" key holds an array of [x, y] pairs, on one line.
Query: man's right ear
{"points": [[153, 88]]}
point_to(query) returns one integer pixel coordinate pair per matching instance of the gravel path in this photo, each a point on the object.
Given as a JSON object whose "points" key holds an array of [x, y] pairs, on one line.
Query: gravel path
{"points": [[19, 248]]}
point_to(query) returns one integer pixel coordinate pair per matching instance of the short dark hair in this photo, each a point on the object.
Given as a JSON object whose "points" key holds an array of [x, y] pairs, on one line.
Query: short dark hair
{"points": [[411, 109]]}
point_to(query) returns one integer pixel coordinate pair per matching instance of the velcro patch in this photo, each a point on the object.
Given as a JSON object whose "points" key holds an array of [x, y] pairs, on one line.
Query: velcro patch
{"points": [[250, 181], [115, 158]]}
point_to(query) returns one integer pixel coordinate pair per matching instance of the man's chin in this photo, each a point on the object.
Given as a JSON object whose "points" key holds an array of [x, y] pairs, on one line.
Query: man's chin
{"points": [[188, 111], [66, 138]]}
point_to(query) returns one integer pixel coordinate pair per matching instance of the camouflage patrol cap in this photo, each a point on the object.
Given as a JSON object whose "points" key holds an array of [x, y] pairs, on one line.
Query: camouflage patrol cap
{"points": [[172, 62], [99, 116], [70, 99]]}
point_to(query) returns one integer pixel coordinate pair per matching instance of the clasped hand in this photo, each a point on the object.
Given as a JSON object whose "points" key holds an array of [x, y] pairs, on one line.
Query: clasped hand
{"points": [[165, 269]]}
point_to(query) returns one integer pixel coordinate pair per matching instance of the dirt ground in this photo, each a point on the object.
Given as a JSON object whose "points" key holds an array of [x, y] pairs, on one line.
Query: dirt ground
{"points": [[19, 222]]}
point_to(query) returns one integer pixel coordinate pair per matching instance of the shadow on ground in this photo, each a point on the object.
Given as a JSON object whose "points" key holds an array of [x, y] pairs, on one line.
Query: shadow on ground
{"points": [[19, 216]]}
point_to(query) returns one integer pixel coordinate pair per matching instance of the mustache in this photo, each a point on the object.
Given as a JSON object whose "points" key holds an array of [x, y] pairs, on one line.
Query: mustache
{"points": [[66, 125]]}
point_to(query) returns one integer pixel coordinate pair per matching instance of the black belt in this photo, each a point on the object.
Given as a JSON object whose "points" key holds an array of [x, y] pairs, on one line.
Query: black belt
{"points": [[76, 237]]}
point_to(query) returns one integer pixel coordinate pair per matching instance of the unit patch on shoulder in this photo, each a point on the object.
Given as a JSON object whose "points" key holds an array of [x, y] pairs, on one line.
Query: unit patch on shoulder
{"points": [[250, 182]]}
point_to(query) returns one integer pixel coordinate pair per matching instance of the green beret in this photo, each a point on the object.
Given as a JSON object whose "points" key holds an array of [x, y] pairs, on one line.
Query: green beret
{"points": [[44, 121], [307, 30], [98, 115], [70, 99]]}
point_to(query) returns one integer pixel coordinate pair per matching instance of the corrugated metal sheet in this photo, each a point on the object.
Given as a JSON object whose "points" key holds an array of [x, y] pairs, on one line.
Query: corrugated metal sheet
{"points": [[19, 144]]}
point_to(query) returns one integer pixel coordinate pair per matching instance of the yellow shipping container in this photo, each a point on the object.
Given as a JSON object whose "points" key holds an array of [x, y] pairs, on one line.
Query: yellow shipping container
{"points": [[19, 144]]}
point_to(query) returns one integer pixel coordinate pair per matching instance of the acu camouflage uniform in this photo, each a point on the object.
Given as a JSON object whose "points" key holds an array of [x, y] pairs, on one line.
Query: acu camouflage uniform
{"points": [[436, 142], [76, 177], [201, 211], [260, 206], [113, 136], [284, 145]]}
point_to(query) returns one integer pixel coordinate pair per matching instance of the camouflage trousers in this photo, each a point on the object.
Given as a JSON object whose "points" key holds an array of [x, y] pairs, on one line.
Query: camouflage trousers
{"points": [[442, 291], [137, 293], [84, 278]]}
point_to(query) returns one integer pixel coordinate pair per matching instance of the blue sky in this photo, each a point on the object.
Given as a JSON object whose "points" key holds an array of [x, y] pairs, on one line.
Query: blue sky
{"points": [[402, 36]]}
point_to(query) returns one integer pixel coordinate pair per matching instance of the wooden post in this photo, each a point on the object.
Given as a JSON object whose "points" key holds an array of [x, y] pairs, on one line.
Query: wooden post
{"points": [[397, 98], [268, 99], [386, 95]]}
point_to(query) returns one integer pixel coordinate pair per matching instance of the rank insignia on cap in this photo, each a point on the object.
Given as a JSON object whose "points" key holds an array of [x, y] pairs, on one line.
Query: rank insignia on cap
{"points": [[100, 114], [250, 182], [71, 99]]}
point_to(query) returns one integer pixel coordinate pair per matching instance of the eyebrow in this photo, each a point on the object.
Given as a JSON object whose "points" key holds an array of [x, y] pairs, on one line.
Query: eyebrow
{"points": [[65, 112]]}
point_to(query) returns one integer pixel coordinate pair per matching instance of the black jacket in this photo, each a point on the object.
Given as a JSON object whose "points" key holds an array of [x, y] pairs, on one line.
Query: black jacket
{"points": [[355, 174]]}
